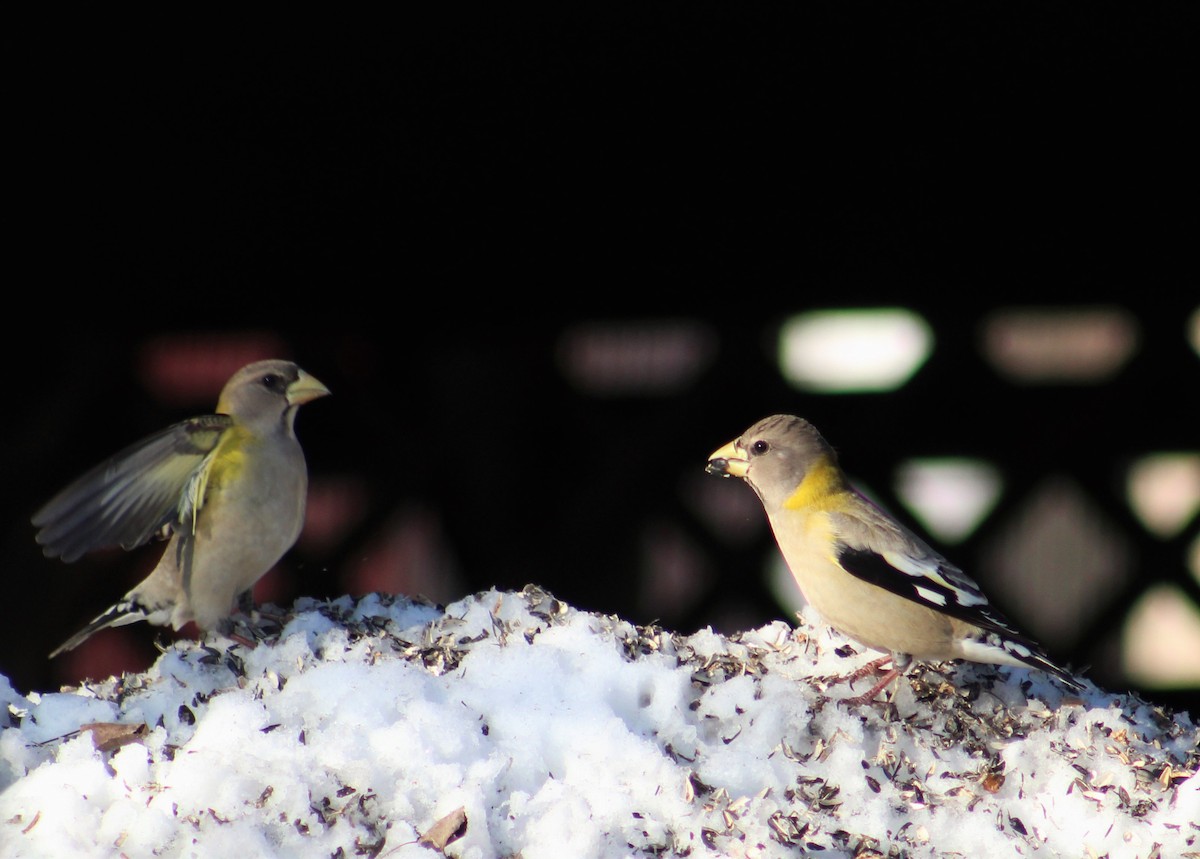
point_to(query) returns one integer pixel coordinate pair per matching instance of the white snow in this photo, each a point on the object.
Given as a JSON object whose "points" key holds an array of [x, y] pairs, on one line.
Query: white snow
{"points": [[537, 730]]}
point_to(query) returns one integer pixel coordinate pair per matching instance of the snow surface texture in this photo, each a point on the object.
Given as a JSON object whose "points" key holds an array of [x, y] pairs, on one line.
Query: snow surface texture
{"points": [[509, 724]]}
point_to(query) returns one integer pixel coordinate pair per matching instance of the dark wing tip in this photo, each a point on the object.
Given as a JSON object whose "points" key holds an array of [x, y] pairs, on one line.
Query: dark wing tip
{"points": [[118, 614]]}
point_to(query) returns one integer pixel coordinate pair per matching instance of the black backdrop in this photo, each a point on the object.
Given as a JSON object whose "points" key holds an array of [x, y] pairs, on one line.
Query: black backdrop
{"points": [[420, 207]]}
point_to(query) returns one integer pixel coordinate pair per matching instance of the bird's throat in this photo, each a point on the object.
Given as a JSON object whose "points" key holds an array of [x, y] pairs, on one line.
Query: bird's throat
{"points": [[819, 488]]}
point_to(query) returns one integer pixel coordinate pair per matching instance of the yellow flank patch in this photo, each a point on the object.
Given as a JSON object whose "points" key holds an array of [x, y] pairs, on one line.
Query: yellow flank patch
{"points": [[228, 458], [818, 490], [221, 467]]}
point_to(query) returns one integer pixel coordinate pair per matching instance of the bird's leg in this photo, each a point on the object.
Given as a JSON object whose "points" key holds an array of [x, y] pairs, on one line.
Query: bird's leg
{"points": [[245, 601], [872, 667], [875, 666], [900, 663], [888, 677]]}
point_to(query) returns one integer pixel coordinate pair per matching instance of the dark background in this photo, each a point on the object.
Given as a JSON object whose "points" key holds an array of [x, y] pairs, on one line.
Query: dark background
{"points": [[422, 210]]}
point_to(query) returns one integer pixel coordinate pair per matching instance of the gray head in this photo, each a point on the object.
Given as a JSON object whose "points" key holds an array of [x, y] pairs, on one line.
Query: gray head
{"points": [[774, 456], [268, 392]]}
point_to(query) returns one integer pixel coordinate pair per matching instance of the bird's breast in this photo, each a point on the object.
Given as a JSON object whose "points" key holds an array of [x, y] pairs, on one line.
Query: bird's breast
{"points": [[809, 541], [258, 483]]}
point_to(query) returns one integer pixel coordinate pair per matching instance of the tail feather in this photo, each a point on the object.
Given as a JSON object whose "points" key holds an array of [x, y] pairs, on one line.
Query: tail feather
{"points": [[990, 646], [119, 614]]}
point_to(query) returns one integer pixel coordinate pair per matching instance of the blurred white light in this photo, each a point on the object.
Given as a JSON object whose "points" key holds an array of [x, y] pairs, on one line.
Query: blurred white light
{"points": [[1080, 344], [644, 358], [1194, 330], [949, 496], [1164, 491], [1161, 647], [853, 350]]}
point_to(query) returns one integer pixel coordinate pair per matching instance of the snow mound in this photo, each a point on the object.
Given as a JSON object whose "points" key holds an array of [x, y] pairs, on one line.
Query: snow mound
{"points": [[510, 724]]}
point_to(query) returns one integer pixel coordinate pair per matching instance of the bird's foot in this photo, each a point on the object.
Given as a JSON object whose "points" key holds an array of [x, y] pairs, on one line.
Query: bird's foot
{"points": [[869, 696], [875, 666], [898, 665]]}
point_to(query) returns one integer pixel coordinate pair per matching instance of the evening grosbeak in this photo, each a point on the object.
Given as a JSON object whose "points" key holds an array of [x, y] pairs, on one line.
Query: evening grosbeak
{"points": [[866, 574], [227, 489]]}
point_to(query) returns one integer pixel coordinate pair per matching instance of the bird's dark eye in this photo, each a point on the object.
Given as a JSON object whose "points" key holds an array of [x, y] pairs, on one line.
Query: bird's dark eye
{"points": [[272, 382], [759, 447]]}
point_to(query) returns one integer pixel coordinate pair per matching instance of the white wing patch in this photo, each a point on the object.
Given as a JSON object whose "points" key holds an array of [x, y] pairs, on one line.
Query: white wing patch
{"points": [[930, 596], [966, 592]]}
